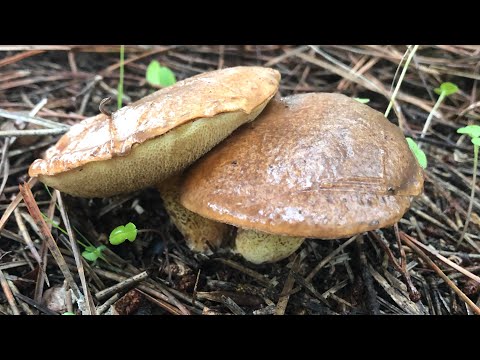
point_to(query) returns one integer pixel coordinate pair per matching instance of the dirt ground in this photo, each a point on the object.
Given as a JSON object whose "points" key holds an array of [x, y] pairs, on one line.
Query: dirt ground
{"points": [[430, 273]]}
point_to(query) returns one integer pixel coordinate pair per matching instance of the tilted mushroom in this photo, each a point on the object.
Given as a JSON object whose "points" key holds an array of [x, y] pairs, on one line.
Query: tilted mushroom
{"points": [[144, 143], [310, 166], [156, 137]]}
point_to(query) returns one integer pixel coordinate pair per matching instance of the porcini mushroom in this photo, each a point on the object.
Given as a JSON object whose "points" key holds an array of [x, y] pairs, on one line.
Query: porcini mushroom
{"points": [[314, 165], [144, 143], [200, 234]]}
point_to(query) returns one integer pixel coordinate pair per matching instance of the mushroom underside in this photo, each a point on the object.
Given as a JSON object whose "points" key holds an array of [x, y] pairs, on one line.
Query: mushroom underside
{"points": [[203, 235], [200, 234], [151, 162]]}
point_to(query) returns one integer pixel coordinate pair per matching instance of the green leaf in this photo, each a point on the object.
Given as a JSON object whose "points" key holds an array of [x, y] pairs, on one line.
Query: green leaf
{"points": [[476, 141], [122, 233], [447, 88], [471, 130], [158, 75], [419, 154], [92, 253], [362, 100], [90, 256], [100, 248]]}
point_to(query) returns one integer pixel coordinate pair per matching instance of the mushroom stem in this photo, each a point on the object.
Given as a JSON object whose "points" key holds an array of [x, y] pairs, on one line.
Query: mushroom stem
{"points": [[259, 247], [200, 234]]}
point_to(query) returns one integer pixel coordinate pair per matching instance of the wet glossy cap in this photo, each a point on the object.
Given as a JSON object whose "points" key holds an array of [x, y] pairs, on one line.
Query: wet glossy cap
{"points": [[101, 155], [313, 165]]}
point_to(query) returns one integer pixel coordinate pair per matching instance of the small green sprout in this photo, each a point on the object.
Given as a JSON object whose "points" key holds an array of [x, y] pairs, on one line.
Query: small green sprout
{"points": [[445, 89], [120, 81], [92, 253], [68, 313], [362, 100], [419, 154], [158, 75], [471, 130], [474, 132], [122, 233]]}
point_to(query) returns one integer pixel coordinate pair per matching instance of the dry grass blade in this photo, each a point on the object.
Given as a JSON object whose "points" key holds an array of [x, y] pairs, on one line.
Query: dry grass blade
{"points": [[35, 304], [158, 50], [400, 267], [435, 252], [90, 306], [412, 290], [5, 164], [327, 259], [17, 57], [42, 277], [369, 83], [262, 279], [26, 309], [13, 205], [121, 286], [449, 282], [287, 287], [232, 305], [163, 304], [309, 286], [6, 266], [366, 276], [146, 288], [401, 300], [48, 238], [26, 237], [39, 132], [8, 294], [33, 120]]}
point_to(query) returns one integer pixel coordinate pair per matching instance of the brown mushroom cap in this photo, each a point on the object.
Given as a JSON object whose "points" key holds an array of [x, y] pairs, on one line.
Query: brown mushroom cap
{"points": [[313, 165], [149, 140]]}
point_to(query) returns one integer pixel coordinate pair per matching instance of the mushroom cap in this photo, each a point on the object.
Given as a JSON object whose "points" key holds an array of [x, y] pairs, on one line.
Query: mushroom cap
{"points": [[314, 165], [221, 100]]}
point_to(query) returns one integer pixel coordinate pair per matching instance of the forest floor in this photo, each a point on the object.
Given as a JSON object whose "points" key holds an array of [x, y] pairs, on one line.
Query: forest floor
{"points": [[422, 270]]}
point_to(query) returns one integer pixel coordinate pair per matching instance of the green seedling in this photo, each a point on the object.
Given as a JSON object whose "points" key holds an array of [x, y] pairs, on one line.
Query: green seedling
{"points": [[419, 154], [92, 253], [120, 81], [474, 132], [122, 233], [158, 75], [445, 89], [362, 100]]}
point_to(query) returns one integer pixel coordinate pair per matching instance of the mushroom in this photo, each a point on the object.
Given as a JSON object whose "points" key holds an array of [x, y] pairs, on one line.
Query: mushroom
{"points": [[315, 165], [200, 234], [144, 143]]}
